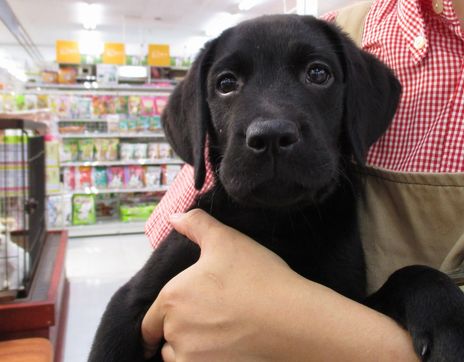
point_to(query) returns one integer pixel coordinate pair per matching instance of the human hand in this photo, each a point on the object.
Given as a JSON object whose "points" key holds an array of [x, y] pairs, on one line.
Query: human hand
{"points": [[241, 302], [205, 312]]}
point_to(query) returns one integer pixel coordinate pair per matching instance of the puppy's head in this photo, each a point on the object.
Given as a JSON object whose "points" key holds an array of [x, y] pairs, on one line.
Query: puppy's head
{"points": [[285, 101]]}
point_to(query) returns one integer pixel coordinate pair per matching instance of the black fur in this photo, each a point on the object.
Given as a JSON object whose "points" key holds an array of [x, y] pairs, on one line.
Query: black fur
{"points": [[281, 148]]}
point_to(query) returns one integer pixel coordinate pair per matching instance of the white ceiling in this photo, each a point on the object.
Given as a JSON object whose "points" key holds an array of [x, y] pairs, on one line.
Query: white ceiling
{"points": [[180, 23]]}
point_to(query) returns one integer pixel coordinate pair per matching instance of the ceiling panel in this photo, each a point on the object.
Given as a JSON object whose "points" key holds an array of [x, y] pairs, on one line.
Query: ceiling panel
{"points": [[181, 23]]}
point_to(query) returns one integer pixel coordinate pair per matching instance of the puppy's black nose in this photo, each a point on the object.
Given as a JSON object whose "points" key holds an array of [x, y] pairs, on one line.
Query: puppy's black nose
{"points": [[278, 135]]}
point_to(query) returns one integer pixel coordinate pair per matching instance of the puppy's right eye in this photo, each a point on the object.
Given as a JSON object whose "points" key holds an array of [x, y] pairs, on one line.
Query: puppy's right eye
{"points": [[227, 83]]}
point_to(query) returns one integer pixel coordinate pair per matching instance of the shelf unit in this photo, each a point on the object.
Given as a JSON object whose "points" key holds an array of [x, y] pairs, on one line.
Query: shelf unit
{"points": [[95, 127]]}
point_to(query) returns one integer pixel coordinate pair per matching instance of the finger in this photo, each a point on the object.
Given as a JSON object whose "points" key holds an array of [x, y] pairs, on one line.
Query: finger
{"points": [[168, 354], [152, 329], [202, 228]]}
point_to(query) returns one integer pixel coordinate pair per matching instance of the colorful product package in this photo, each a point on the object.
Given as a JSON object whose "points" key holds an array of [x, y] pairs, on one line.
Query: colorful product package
{"points": [[134, 176], [160, 103], [148, 107], [69, 178], [99, 177], [121, 103], [132, 125], [101, 149], [152, 176], [99, 106], [169, 173], [143, 124], [164, 150], [140, 151], [42, 101], [70, 152], [153, 151], [155, 123], [83, 177], [134, 105], [83, 210], [136, 212], [126, 151], [115, 177], [85, 147], [112, 150], [124, 125], [83, 107], [107, 207], [30, 102]]}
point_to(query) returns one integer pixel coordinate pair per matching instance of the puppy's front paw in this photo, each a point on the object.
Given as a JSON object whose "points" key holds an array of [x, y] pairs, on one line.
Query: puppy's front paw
{"points": [[444, 343], [430, 306]]}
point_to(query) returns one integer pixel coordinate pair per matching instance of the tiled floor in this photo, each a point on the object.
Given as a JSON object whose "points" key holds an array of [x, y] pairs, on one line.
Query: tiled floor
{"points": [[96, 267]]}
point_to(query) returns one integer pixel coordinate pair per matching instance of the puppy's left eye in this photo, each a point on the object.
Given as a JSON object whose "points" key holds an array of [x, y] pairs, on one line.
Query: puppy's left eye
{"points": [[318, 74], [227, 83]]}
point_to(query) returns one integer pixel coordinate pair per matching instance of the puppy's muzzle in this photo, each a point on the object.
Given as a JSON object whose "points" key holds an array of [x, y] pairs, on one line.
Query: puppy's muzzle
{"points": [[271, 135]]}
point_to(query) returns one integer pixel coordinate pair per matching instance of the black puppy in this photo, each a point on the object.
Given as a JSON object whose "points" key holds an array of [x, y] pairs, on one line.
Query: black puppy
{"points": [[286, 103]]}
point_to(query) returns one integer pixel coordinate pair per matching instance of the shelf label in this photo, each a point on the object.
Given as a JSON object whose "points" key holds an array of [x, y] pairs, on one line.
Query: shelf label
{"points": [[67, 52], [159, 55], [114, 53]]}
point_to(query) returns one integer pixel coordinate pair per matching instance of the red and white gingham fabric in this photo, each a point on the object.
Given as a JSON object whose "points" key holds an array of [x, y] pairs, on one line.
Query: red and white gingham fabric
{"points": [[426, 50]]}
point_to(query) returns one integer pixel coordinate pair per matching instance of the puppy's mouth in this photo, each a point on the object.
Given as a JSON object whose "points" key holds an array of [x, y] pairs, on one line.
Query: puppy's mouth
{"points": [[276, 194]]}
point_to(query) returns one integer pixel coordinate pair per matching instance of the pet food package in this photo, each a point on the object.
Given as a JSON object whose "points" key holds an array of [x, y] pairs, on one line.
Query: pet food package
{"points": [[121, 103], [115, 177], [112, 150], [83, 107], [126, 151], [99, 177], [69, 178], [169, 173], [164, 150], [83, 210], [69, 151], [160, 103], [133, 212], [107, 74], [107, 207], [153, 151], [101, 149], [155, 123], [85, 146], [148, 107], [140, 151], [134, 105], [54, 215], [83, 177], [143, 124], [134, 176], [152, 177]]}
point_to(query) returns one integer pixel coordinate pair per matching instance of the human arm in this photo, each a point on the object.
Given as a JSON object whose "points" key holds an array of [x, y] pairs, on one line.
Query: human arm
{"points": [[241, 302]]}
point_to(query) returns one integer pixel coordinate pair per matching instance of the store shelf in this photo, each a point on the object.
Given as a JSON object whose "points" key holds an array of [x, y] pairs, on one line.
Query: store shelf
{"points": [[106, 228], [40, 87], [114, 135], [93, 190], [163, 161]]}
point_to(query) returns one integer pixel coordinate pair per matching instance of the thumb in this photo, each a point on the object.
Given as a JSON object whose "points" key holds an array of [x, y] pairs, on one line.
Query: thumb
{"points": [[202, 228], [152, 329]]}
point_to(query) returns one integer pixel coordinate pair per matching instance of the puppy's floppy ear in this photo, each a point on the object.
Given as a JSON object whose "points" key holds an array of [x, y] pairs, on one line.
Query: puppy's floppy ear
{"points": [[187, 116], [372, 95]]}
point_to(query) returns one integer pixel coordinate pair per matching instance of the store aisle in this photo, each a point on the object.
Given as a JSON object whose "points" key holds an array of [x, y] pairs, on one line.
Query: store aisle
{"points": [[96, 267]]}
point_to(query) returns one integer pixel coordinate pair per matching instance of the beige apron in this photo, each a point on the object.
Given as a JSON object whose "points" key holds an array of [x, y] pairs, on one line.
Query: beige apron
{"points": [[411, 218]]}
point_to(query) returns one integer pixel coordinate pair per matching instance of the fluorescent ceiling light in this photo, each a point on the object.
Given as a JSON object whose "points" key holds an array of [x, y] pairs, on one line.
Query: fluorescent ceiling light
{"points": [[90, 42], [220, 22], [245, 5], [89, 15]]}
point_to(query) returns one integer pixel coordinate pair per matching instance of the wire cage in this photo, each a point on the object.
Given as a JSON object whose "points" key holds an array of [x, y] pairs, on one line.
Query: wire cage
{"points": [[22, 204]]}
